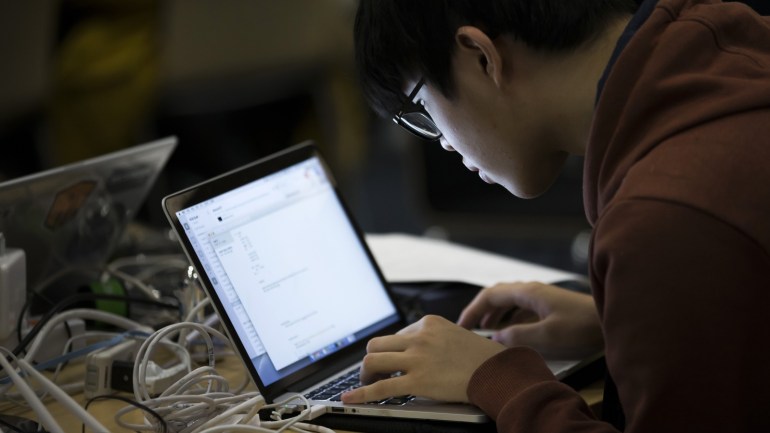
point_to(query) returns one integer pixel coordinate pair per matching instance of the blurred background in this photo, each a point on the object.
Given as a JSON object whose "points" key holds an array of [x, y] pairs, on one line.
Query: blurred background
{"points": [[238, 80]]}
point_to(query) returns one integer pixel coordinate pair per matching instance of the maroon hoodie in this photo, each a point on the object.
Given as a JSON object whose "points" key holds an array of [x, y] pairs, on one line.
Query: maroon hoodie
{"points": [[677, 188]]}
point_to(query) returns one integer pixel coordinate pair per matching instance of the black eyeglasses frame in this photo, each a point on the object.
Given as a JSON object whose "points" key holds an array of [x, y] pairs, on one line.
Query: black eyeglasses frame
{"points": [[423, 125]]}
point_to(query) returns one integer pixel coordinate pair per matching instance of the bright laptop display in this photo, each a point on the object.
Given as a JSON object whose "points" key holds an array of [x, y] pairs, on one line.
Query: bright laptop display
{"points": [[74, 215], [291, 276]]}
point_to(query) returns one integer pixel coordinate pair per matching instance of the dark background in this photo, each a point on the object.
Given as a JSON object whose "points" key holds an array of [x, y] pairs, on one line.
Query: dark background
{"points": [[238, 80]]}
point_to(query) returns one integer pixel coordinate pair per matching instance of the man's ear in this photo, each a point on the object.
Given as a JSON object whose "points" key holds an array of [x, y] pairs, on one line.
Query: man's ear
{"points": [[475, 46]]}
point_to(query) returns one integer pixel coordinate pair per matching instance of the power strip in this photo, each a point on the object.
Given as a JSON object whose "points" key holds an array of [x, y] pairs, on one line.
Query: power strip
{"points": [[99, 368]]}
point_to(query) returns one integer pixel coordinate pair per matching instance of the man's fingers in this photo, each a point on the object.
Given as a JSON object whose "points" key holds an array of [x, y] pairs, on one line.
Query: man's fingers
{"points": [[479, 311], [382, 389], [375, 366], [388, 343], [525, 334], [492, 303]]}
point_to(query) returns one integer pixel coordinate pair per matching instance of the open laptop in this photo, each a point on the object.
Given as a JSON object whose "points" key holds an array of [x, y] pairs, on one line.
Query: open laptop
{"points": [[293, 281], [73, 216]]}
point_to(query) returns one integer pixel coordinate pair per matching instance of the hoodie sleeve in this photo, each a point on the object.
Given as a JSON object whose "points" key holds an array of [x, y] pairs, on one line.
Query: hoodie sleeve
{"points": [[518, 391]]}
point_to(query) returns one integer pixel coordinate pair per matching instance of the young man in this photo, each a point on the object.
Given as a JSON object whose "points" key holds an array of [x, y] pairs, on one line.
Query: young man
{"points": [[670, 105]]}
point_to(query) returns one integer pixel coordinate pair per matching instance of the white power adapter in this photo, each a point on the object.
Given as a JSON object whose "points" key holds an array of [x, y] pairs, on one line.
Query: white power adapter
{"points": [[13, 288]]}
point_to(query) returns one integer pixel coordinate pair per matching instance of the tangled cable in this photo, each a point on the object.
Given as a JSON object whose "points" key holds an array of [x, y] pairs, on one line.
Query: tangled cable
{"points": [[201, 401]]}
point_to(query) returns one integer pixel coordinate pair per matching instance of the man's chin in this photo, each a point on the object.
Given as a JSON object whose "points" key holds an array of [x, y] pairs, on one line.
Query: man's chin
{"points": [[486, 178], [524, 193]]}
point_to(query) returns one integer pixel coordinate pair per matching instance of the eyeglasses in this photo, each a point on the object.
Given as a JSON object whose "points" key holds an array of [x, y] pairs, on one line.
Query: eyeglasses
{"points": [[414, 119]]}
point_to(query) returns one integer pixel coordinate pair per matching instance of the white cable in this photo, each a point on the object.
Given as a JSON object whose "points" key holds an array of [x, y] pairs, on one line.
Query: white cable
{"points": [[251, 407], [172, 409], [17, 399], [188, 383], [201, 401], [195, 310], [189, 317], [159, 263], [63, 397], [162, 264], [170, 260], [210, 320], [71, 341], [284, 424], [143, 355], [150, 291], [237, 428], [298, 427], [83, 313], [29, 395], [69, 387]]}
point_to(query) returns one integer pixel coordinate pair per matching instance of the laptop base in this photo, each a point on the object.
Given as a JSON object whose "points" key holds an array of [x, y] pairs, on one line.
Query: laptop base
{"points": [[396, 425]]}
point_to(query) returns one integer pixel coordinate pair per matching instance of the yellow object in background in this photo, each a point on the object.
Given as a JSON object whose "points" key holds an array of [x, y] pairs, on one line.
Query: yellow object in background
{"points": [[105, 79]]}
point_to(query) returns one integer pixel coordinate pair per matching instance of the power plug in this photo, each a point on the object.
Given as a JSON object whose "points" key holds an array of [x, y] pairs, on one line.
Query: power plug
{"points": [[13, 287]]}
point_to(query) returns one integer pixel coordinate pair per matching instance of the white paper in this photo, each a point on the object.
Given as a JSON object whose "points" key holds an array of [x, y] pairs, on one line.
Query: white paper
{"points": [[408, 258]]}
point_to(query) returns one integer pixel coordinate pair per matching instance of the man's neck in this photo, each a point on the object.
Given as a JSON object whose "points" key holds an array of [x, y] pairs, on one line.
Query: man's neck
{"points": [[588, 63]]}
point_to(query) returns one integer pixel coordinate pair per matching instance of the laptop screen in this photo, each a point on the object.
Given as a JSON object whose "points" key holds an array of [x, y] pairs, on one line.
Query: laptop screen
{"points": [[289, 268], [73, 216]]}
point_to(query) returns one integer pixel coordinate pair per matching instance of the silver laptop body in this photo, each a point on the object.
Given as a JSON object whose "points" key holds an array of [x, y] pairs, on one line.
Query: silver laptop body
{"points": [[293, 281]]}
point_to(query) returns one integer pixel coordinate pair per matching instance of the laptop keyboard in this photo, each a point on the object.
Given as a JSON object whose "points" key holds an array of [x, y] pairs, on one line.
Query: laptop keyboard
{"points": [[332, 391]]}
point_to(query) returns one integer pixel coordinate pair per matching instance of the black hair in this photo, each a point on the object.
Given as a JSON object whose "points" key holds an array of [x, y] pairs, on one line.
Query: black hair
{"points": [[397, 40]]}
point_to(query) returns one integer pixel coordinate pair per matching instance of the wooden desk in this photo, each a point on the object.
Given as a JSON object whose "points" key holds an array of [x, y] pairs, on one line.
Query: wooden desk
{"points": [[229, 367]]}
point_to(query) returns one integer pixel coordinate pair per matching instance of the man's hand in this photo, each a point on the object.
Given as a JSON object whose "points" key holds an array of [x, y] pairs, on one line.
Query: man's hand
{"points": [[558, 323], [433, 357]]}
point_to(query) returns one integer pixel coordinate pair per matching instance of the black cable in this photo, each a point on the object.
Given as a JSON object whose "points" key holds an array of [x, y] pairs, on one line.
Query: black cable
{"points": [[27, 303], [10, 426], [38, 292], [136, 404]]}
